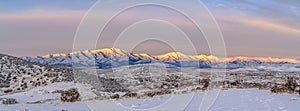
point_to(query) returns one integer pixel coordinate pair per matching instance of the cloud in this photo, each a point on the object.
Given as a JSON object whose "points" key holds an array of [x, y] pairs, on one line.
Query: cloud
{"points": [[220, 5], [251, 35], [42, 14], [285, 12], [261, 23], [269, 25]]}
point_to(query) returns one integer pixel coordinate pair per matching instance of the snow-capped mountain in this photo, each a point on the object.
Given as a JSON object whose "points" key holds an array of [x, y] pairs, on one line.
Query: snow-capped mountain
{"points": [[113, 57], [19, 75]]}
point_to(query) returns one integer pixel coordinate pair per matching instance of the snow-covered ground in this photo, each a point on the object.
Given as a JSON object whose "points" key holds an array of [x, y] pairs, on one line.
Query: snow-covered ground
{"points": [[283, 68], [42, 98], [96, 87], [228, 100]]}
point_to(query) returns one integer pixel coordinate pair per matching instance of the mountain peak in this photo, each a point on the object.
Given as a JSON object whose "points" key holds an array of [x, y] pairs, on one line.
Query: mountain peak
{"points": [[106, 55], [210, 58], [173, 56], [112, 51], [54, 55]]}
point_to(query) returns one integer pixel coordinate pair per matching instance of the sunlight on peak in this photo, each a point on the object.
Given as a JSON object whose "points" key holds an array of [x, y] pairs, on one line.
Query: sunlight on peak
{"points": [[112, 51], [173, 56], [178, 54], [54, 55], [210, 58], [261, 59]]}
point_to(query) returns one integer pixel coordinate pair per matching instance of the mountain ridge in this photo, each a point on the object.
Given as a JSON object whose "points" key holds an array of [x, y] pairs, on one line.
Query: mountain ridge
{"points": [[114, 57]]}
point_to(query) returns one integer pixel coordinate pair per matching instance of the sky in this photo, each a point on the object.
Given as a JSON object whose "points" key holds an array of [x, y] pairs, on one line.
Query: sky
{"points": [[269, 28]]}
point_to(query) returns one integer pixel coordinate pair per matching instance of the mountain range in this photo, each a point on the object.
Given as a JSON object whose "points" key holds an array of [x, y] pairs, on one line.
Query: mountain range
{"points": [[114, 57]]}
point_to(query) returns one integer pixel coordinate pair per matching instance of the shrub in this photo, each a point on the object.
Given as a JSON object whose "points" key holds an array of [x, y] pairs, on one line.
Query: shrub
{"points": [[70, 95], [130, 94], [291, 83], [276, 89], [205, 83], [160, 92], [9, 101], [115, 96]]}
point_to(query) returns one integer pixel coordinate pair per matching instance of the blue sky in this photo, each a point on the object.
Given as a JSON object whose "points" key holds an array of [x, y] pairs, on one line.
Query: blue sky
{"points": [[250, 27], [24, 5]]}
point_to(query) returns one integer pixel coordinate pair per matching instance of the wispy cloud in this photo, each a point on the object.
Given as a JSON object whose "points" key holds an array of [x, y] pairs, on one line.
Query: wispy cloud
{"points": [[220, 5], [284, 12], [42, 14], [263, 24]]}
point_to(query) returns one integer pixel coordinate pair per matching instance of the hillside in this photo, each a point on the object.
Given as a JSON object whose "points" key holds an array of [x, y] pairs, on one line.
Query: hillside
{"points": [[19, 75]]}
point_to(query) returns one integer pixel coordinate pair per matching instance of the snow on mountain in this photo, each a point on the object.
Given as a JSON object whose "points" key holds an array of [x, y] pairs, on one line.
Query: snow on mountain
{"points": [[173, 56], [260, 59], [113, 57]]}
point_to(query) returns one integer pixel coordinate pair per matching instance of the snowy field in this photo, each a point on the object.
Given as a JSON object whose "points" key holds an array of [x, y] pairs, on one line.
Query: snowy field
{"points": [[41, 99]]}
